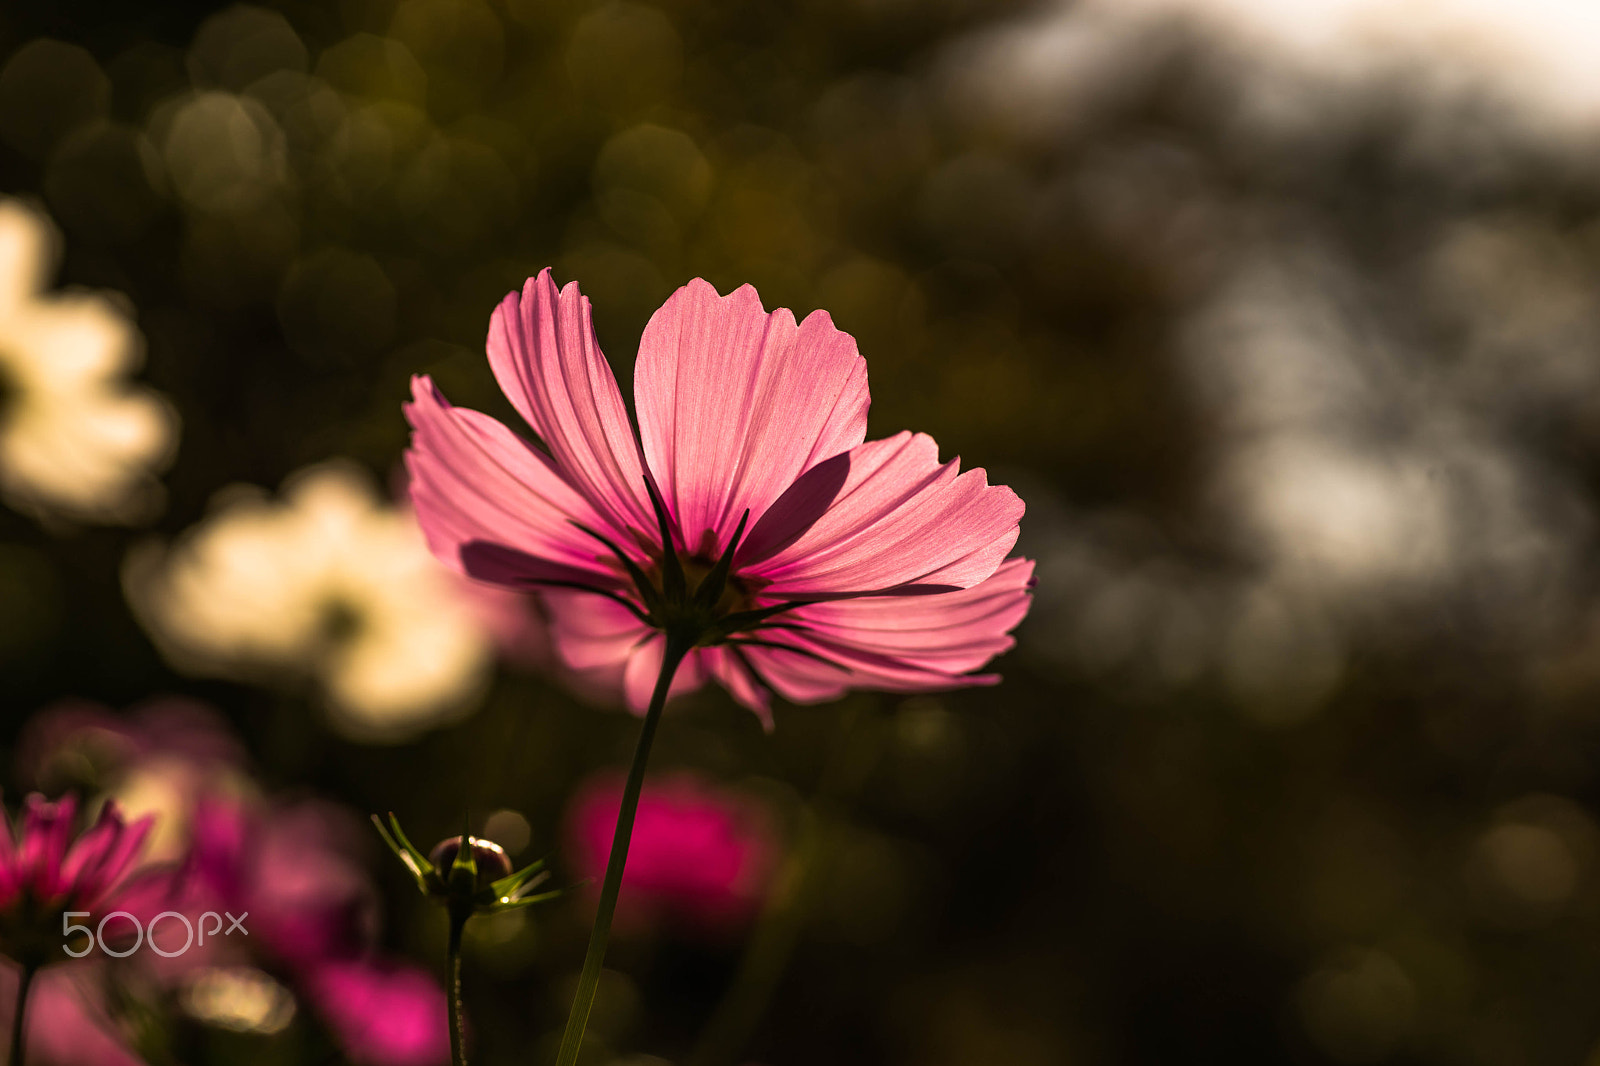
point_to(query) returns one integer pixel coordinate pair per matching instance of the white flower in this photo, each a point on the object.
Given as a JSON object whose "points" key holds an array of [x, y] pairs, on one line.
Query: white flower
{"points": [[328, 583], [76, 440]]}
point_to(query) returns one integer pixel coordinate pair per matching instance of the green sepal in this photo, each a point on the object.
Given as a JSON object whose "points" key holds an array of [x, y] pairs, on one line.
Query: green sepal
{"points": [[647, 591], [510, 883], [525, 901], [727, 626], [674, 585], [614, 597], [463, 878], [755, 642], [416, 862], [710, 590]]}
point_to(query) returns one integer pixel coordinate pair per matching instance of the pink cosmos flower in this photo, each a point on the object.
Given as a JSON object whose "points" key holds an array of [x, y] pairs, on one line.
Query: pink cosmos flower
{"points": [[701, 855], [843, 562], [45, 870]]}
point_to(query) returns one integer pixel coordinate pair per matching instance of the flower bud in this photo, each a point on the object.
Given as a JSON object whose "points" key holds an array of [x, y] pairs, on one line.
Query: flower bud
{"points": [[477, 881], [489, 857]]}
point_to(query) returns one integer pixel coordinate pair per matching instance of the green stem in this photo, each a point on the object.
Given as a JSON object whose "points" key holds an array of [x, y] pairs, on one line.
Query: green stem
{"points": [[458, 1036], [589, 979], [17, 1019]]}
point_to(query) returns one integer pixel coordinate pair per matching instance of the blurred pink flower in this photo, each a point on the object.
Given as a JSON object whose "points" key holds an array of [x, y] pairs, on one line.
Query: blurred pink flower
{"points": [[701, 855], [45, 869], [386, 1014], [885, 567], [295, 867], [82, 733], [158, 758]]}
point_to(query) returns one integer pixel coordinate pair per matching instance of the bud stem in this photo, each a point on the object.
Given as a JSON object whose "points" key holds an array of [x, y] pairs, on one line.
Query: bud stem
{"points": [[678, 645], [458, 1049], [18, 1018]]}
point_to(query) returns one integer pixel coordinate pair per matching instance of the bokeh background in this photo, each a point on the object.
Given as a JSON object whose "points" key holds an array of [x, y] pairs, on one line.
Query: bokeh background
{"points": [[1284, 319]]}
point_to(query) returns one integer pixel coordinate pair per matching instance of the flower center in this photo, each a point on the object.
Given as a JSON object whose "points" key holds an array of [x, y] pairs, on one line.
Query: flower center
{"points": [[735, 595], [693, 600], [339, 622]]}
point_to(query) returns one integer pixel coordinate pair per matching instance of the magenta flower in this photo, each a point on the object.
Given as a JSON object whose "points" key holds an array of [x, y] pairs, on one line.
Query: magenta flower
{"points": [[749, 516], [701, 856], [45, 870], [385, 1014]]}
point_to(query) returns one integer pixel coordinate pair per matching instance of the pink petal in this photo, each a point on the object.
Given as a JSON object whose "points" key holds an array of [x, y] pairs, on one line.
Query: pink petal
{"points": [[732, 673], [898, 643], [952, 632], [46, 828], [639, 673], [591, 631], [184, 727], [616, 652], [119, 857], [152, 889], [886, 514], [90, 849], [799, 678], [544, 354], [491, 505], [72, 728], [734, 404], [221, 830], [643, 667]]}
